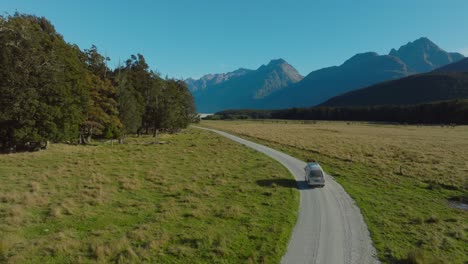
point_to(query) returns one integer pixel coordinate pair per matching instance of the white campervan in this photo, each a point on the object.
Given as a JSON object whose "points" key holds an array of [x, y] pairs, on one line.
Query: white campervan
{"points": [[314, 175]]}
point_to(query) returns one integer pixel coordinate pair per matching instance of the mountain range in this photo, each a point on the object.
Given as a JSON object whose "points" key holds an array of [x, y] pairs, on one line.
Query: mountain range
{"points": [[279, 85], [242, 88], [447, 83]]}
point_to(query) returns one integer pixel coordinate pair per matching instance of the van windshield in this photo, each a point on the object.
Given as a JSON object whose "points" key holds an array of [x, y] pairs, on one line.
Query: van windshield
{"points": [[315, 173]]}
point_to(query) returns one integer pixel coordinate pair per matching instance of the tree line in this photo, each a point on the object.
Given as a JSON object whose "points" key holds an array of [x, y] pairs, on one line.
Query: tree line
{"points": [[443, 112], [51, 90]]}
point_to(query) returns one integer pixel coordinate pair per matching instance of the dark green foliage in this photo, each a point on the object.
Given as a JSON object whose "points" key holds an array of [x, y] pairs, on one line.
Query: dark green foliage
{"points": [[241, 114], [51, 90], [42, 86], [148, 103], [101, 113], [176, 107], [444, 112]]}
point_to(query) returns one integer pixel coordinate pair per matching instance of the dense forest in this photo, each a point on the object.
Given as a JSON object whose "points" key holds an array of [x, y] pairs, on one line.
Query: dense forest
{"points": [[51, 90], [443, 112]]}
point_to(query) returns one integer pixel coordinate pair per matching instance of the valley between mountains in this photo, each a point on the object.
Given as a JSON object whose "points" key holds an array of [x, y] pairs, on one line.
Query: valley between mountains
{"points": [[279, 85]]}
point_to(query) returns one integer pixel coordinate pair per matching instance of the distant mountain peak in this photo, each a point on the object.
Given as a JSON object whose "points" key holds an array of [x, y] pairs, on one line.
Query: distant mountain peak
{"points": [[213, 79], [423, 55], [422, 44], [425, 43], [278, 84], [276, 62], [244, 88], [424, 40]]}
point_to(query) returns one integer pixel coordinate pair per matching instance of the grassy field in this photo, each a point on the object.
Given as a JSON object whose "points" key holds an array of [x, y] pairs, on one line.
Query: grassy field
{"points": [[196, 199], [402, 178]]}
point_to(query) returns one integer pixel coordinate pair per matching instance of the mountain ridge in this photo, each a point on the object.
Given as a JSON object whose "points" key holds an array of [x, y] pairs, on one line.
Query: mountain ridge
{"points": [[284, 87], [448, 82], [242, 91], [213, 79], [423, 55]]}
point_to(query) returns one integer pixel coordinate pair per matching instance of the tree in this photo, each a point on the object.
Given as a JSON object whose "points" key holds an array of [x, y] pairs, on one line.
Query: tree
{"points": [[101, 114], [42, 89], [131, 81], [128, 106], [51, 90], [97, 63]]}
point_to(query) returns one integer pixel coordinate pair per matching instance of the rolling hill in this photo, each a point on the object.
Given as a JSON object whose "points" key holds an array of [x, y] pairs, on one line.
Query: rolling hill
{"points": [[460, 66], [421, 88]]}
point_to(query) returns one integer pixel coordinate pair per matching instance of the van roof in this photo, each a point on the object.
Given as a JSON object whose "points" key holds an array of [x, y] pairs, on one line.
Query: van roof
{"points": [[313, 165]]}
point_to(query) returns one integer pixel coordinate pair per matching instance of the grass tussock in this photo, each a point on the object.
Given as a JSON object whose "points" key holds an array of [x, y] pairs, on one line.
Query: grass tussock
{"points": [[3, 251], [402, 178], [418, 256], [132, 203]]}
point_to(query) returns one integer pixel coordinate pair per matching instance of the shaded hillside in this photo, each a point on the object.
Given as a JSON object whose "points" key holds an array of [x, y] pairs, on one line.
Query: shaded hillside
{"points": [[434, 86], [460, 66], [245, 90]]}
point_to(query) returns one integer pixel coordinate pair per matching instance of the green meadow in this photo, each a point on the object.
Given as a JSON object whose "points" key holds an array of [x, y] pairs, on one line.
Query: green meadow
{"points": [[199, 198]]}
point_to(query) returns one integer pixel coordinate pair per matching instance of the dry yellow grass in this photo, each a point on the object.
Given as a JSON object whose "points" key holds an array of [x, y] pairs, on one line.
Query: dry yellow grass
{"points": [[400, 176], [433, 154]]}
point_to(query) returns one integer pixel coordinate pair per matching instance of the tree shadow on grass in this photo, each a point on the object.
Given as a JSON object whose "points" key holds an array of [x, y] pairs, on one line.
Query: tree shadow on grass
{"points": [[286, 183]]}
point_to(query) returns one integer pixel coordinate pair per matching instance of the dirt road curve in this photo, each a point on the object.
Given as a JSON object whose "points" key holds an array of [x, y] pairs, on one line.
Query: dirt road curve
{"points": [[330, 228]]}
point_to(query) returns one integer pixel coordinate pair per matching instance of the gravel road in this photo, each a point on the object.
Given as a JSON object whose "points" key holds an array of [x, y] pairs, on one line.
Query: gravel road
{"points": [[330, 228]]}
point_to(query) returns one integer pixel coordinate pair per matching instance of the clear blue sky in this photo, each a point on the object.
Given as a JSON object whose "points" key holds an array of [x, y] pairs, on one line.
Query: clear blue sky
{"points": [[189, 38]]}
